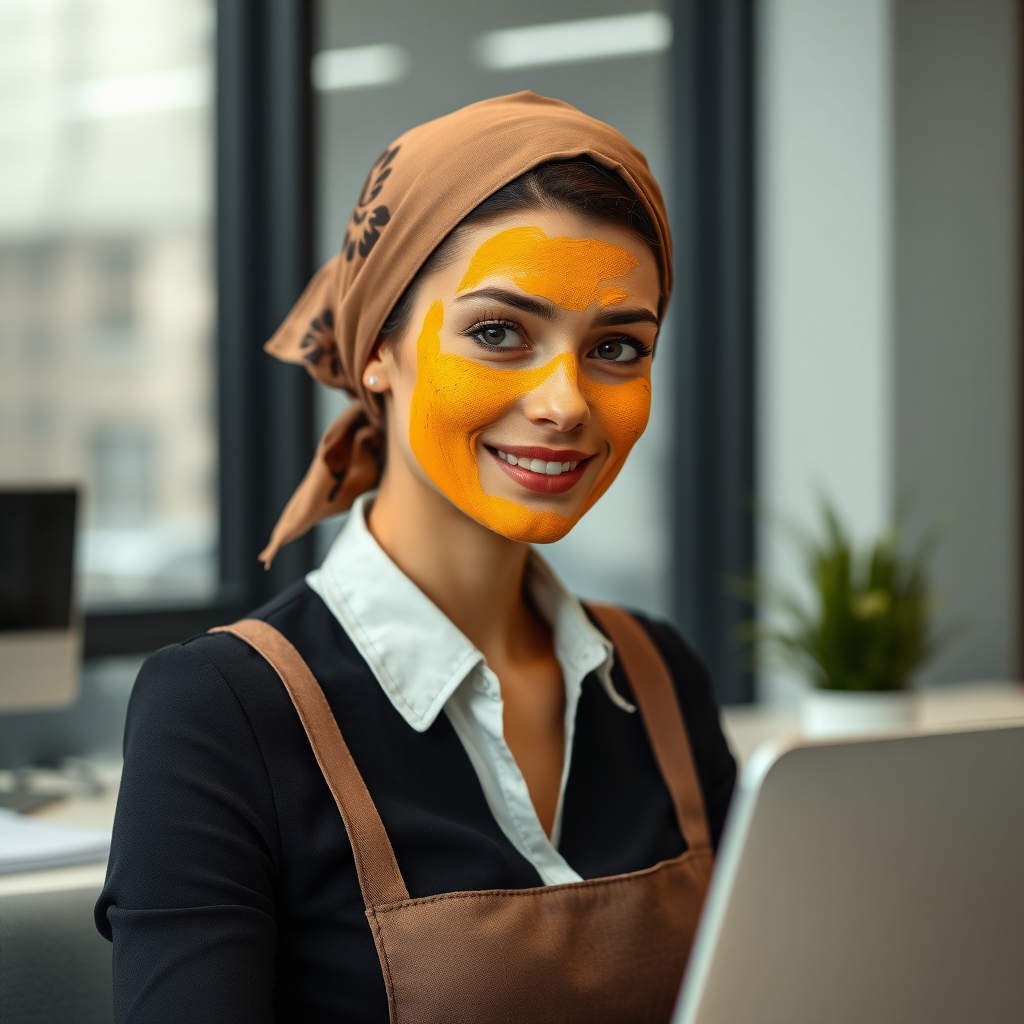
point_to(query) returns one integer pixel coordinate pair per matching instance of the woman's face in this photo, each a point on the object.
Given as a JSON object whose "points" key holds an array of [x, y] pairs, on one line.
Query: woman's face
{"points": [[523, 380]]}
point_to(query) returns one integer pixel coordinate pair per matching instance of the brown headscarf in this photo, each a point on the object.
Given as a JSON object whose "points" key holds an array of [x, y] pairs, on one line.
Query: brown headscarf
{"points": [[419, 189]]}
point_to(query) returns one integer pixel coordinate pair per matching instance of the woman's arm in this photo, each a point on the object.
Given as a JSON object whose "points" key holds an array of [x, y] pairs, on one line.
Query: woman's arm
{"points": [[189, 896]]}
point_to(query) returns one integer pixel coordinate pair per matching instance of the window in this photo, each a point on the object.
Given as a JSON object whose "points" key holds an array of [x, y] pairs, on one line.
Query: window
{"points": [[106, 284]]}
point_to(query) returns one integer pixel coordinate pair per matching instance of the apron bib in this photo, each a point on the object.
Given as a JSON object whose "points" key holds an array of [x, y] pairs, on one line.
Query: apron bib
{"points": [[602, 951]]}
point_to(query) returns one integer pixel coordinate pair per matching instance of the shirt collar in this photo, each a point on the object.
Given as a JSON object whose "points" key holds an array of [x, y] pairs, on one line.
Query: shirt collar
{"points": [[416, 653]]}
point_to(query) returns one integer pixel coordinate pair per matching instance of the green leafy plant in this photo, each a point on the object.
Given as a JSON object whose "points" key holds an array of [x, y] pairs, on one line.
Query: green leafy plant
{"points": [[869, 625]]}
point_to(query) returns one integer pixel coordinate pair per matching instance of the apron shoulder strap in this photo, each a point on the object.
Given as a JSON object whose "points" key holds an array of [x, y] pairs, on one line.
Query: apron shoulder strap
{"points": [[655, 694], [379, 877]]}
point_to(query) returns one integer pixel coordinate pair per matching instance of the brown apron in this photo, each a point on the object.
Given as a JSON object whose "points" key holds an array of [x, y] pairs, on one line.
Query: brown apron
{"points": [[601, 951]]}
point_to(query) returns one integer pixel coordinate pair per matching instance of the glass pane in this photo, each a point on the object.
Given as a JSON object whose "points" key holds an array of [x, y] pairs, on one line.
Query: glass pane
{"points": [[106, 288], [381, 68]]}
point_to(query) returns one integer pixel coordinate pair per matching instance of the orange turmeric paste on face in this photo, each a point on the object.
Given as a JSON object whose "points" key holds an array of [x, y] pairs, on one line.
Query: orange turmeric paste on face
{"points": [[455, 399], [567, 271]]}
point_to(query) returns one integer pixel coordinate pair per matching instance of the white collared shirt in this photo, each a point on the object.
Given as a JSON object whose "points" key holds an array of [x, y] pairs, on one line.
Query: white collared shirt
{"points": [[425, 665]]}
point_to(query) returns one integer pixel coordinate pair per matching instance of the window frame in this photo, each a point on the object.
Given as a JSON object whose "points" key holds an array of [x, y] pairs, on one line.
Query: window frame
{"points": [[714, 301]]}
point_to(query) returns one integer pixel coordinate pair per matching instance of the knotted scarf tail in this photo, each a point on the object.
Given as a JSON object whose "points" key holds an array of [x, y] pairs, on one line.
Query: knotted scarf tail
{"points": [[307, 335], [347, 463]]}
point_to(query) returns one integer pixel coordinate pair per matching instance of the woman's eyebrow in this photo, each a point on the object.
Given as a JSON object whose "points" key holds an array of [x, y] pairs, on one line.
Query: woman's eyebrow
{"points": [[538, 307], [621, 317]]}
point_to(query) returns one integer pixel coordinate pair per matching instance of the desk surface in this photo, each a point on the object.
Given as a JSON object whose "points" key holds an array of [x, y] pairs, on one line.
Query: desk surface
{"points": [[746, 727], [80, 811], [938, 709]]}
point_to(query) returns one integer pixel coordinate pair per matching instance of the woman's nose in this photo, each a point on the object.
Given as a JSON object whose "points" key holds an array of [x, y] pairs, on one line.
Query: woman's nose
{"points": [[557, 400]]}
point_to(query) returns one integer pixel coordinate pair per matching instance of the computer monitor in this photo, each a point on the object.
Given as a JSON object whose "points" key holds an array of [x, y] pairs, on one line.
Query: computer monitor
{"points": [[875, 880], [40, 630]]}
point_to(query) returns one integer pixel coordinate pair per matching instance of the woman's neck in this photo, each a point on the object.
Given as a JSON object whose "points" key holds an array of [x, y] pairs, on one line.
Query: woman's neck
{"points": [[475, 576], [472, 574]]}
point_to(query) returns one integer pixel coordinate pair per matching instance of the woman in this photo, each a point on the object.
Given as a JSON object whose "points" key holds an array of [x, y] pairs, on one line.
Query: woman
{"points": [[517, 841]]}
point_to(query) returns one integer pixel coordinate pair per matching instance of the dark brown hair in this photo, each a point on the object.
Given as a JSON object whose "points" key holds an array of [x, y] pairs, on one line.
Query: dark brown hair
{"points": [[580, 186]]}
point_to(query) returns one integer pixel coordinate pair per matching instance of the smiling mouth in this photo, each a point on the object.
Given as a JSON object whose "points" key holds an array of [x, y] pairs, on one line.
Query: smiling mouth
{"points": [[542, 469]]}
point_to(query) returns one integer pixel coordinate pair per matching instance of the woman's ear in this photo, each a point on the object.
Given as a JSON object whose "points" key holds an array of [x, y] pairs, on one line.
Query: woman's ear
{"points": [[378, 369]]}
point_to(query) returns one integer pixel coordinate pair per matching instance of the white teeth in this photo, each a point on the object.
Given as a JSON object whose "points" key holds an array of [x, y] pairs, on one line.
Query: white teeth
{"points": [[537, 465]]}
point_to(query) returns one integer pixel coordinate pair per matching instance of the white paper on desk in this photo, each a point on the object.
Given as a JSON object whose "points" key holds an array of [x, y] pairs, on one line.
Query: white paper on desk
{"points": [[28, 844]]}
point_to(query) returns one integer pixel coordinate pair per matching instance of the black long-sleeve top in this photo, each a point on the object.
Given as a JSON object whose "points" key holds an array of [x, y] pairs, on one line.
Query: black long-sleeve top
{"points": [[231, 894]]}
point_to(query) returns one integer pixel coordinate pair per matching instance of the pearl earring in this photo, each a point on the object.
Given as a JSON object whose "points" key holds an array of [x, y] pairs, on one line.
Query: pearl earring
{"points": [[371, 381]]}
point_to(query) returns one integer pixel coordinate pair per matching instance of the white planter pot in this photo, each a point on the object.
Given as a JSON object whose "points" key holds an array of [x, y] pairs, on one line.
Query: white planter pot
{"points": [[845, 713]]}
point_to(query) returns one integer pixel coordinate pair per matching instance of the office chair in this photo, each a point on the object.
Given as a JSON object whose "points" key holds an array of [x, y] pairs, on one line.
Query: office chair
{"points": [[54, 965]]}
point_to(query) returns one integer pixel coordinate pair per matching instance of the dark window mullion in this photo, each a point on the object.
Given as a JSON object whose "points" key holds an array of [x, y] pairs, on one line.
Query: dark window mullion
{"points": [[713, 310]]}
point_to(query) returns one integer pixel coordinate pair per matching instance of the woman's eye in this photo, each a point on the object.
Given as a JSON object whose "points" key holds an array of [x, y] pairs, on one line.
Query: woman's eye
{"points": [[616, 351], [497, 336]]}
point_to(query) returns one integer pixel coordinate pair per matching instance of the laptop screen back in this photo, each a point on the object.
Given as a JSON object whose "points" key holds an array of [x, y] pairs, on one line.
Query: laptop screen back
{"points": [[876, 880]]}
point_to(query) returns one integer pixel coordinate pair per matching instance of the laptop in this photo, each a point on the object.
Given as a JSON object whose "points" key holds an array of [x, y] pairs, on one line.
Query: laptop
{"points": [[876, 880]]}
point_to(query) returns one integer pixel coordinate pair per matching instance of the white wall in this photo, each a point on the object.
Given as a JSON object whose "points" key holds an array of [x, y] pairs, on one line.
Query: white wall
{"points": [[955, 328], [888, 320], [824, 271]]}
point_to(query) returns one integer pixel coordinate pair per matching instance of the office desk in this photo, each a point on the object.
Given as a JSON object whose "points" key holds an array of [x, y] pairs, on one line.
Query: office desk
{"points": [[938, 709], [746, 727], [81, 811]]}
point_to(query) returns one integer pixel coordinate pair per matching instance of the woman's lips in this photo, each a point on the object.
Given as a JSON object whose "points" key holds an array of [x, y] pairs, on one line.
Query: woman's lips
{"points": [[545, 470]]}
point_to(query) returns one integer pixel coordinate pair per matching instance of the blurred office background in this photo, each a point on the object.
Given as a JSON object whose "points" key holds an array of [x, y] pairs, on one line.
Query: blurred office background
{"points": [[844, 179]]}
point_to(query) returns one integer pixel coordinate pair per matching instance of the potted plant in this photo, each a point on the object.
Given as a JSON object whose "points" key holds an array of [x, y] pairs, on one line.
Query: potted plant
{"points": [[865, 632]]}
